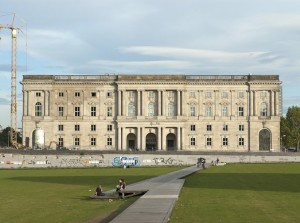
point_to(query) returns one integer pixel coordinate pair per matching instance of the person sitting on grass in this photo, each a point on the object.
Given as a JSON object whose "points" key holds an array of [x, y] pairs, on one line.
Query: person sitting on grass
{"points": [[121, 187], [99, 191]]}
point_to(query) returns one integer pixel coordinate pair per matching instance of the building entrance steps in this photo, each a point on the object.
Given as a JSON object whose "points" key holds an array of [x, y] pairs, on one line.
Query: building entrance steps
{"points": [[157, 204]]}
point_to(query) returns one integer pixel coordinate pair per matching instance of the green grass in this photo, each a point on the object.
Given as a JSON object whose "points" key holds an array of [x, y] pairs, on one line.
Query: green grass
{"points": [[62, 195], [241, 193]]}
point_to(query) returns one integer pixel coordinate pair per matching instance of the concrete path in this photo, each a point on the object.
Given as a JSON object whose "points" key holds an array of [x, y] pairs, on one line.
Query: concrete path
{"points": [[157, 204]]}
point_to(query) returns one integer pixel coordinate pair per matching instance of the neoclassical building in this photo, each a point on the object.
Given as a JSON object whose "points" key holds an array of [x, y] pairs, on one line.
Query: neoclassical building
{"points": [[153, 112]]}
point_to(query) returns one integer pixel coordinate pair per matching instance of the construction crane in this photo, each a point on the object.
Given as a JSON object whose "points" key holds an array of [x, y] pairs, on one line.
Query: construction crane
{"points": [[13, 108]]}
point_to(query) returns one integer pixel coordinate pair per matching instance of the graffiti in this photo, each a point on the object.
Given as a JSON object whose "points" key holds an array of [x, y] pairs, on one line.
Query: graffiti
{"points": [[125, 161], [167, 161], [71, 162]]}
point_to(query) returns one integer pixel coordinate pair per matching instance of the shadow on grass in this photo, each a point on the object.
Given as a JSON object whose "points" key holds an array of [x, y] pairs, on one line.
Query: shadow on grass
{"points": [[246, 181]]}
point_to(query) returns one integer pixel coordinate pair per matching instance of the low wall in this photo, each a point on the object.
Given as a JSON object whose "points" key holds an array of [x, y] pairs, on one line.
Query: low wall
{"points": [[12, 160]]}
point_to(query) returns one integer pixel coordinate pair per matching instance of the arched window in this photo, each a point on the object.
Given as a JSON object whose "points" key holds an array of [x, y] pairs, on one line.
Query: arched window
{"points": [[131, 109], [38, 109], [151, 108], [264, 109], [171, 109]]}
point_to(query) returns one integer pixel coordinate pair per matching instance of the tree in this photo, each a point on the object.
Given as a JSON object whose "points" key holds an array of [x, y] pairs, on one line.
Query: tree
{"points": [[290, 127], [5, 139]]}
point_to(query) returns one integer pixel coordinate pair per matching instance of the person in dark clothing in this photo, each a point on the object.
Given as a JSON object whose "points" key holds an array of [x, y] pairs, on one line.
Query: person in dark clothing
{"points": [[99, 191]]}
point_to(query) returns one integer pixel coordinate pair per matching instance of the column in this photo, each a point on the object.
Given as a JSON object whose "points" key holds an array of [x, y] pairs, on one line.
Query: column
{"points": [[178, 138], [275, 103], [46, 103], [138, 138], [158, 138], [119, 102], [143, 138], [163, 139], [199, 103], [217, 110], [138, 104], [178, 103], [272, 103], [25, 105], [183, 139], [123, 103], [159, 102], [251, 103], [254, 103], [163, 99], [184, 103], [124, 139], [142, 103], [100, 106], [119, 138]]}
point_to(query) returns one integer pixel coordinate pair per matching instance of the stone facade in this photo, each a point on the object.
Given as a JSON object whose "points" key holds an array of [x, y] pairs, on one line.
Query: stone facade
{"points": [[153, 112]]}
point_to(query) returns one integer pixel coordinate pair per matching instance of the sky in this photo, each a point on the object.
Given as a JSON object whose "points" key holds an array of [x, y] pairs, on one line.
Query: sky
{"points": [[194, 37]]}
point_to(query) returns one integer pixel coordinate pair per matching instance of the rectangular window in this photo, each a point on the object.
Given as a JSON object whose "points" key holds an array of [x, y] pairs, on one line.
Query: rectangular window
{"points": [[208, 141], [93, 94], [109, 141], [225, 128], [241, 141], [193, 127], [241, 111], [77, 128], [208, 128], [93, 128], [77, 111], [109, 94], [77, 94], [38, 94], [224, 111], [60, 111], [60, 94], [208, 111], [225, 141], [109, 111], [193, 110], [241, 128], [192, 94], [60, 128], [93, 111], [193, 141], [93, 141], [77, 141], [208, 94], [60, 142], [109, 128]]}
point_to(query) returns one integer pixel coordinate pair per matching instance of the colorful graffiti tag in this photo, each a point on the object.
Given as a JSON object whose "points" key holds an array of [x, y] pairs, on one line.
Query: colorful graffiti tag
{"points": [[125, 161]]}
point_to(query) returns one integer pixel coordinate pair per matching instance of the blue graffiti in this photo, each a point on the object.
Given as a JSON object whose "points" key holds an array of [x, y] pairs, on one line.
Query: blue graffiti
{"points": [[125, 161]]}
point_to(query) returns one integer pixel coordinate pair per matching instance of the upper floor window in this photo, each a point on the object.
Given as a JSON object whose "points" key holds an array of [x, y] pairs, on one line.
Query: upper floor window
{"points": [[109, 94], [109, 111], [225, 141], [224, 111], [241, 141], [192, 94], [209, 111], [93, 94], [151, 94], [93, 127], [77, 94], [77, 128], [241, 128], [263, 94], [193, 127], [38, 109], [193, 141], [131, 109], [225, 127], [209, 128], [93, 111], [193, 110], [224, 94], [77, 111], [60, 128], [60, 94], [38, 94], [60, 111], [93, 141], [109, 128], [241, 94], [171, 109], [241, 111], [208, 94], [264, 109], [151, 108], [77, 141], [131, 93], [209, 141]]}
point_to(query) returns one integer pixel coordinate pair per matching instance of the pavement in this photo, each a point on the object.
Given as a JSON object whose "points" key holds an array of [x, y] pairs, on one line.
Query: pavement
{"points": [[157, 204]]}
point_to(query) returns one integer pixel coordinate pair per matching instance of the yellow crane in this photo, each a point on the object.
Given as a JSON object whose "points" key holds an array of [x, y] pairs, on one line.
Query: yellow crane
{"points": [[13, 106]]}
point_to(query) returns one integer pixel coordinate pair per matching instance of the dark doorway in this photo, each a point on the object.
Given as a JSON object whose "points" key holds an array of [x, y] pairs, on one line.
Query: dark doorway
{"points": [[151, 143], [264, 140], [131, 139], [171, 142]]}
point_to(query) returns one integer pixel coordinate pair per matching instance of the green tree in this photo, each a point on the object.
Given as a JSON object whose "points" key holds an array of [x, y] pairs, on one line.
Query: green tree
{"points": [[290, 128]]}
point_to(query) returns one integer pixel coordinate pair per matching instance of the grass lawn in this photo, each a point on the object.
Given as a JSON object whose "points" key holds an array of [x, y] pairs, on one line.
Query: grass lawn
{"points": [[62, 195], [241, 193]]}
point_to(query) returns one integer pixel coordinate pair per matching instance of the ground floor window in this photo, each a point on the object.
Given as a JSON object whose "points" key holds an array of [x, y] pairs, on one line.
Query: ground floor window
{"points": [[109, 141], [208, 141], [193, 141], [93, 141], [241, 141]]}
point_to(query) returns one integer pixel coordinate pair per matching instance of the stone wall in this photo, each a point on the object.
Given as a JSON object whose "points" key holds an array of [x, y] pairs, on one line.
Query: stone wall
{"points": [[10, 160]]}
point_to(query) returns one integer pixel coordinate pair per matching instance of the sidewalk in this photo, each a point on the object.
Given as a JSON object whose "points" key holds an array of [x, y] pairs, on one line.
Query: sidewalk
{"points": [[157, 204]]}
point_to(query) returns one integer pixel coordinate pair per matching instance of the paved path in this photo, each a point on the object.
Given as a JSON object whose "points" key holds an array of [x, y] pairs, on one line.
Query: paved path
{"points": [[157, 204]]}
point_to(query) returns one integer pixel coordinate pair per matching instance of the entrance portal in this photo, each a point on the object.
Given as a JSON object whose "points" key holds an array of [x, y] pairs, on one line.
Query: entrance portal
{"points": [[131, 138], [264, 140], [171, 142], [151, 143]]}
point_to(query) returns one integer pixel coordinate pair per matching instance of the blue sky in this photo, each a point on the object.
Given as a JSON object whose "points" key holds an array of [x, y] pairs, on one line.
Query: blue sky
{"points": [[228, 37]]}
